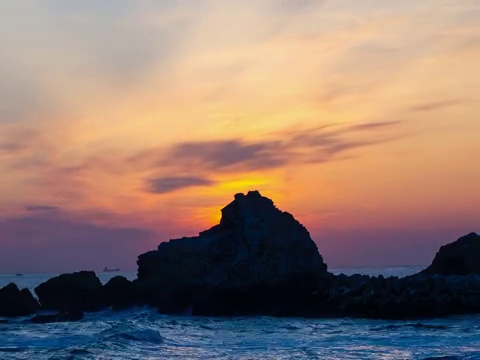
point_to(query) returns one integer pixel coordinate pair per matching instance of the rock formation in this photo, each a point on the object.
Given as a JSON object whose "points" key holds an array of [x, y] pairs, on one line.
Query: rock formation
{"points": [[259, 261], [67, 292], [461, 257], [15, 302], [119, 293], [255, 246], [413, 297]]}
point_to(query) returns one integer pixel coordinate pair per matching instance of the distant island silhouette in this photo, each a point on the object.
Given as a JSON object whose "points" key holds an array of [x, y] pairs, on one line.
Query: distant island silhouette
{"points": [[258, 260]]}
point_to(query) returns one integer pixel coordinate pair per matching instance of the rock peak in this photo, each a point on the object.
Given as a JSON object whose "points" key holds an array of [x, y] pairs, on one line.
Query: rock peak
{"points": [[250, 194], [471, 236], [461, 257], [247, 208], [254, 193], [255, 244]]}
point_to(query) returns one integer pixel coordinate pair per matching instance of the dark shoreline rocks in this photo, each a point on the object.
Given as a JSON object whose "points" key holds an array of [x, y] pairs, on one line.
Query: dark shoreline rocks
{"points": [[461, 257], [16, 302], [259, 261], [413, 297], [83, 291], [65, 292], [358, 296], [119, 293]]}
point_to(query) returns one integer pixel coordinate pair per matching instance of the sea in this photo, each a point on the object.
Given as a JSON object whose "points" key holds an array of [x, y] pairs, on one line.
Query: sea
{"points": [[142, 333]]}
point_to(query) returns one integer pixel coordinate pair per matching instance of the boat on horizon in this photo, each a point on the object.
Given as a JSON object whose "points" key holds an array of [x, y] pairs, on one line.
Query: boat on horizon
{"points": [[106, 269]]}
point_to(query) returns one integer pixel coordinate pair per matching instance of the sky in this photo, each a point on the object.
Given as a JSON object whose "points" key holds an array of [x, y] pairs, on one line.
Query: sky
{"points": [[127, 123]]}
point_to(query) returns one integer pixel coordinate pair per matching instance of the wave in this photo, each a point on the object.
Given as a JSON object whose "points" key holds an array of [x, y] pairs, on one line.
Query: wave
{"points": [[410, 326], [128, 332]]}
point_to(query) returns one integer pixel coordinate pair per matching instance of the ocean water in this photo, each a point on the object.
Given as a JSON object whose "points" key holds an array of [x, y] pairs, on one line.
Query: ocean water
{"points": [[144, 334]]}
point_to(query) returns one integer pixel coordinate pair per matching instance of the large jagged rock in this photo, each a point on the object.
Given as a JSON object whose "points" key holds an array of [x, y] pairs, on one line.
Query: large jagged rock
{"points": [[255, 246], [461, 257], [16, 302], [67, 292]]}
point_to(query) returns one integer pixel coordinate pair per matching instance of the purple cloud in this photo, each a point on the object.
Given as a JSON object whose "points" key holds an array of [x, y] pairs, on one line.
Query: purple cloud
{"points": [[41, 208], [172, 183]]}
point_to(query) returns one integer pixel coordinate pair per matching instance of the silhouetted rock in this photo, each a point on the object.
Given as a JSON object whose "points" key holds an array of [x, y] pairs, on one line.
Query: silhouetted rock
{"points": [[78, 291], [14, 302], [413, 297], [73, 315], [255, 251], [119, 293], [260, 261], [461, 257]]}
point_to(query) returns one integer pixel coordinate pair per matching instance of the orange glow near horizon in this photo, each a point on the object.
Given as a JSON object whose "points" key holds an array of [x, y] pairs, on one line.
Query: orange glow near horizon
{"points": [[350, 116]]}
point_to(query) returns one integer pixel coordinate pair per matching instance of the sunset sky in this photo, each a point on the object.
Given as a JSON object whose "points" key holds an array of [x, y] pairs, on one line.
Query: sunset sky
{"points": [[127, 123]]}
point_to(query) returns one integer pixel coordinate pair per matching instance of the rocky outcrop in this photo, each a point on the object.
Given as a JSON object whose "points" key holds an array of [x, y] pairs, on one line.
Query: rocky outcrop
{"points": [[255, 248], [461, 257], [259, 261], [413, 297], [15, 302], [67, 292], [119, 293]]}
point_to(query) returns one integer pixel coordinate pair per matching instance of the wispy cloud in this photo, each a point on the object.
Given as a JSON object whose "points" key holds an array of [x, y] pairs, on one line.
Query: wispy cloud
{"points": [[188, 164], [41, 208], [376, 125], [320, 144], [229, 153], [171, 183], [293, 6], [16, 140], [435, 105]]}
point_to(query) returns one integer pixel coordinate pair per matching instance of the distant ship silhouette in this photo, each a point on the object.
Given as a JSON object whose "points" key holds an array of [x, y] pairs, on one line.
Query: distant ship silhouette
{"points": [[106, 269]]}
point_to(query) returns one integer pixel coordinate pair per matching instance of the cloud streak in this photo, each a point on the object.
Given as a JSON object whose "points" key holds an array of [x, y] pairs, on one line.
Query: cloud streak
{"points": [[435, 105], [188, 164], [172, 183], [222, 154], [41, 208], [314, 145]]}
